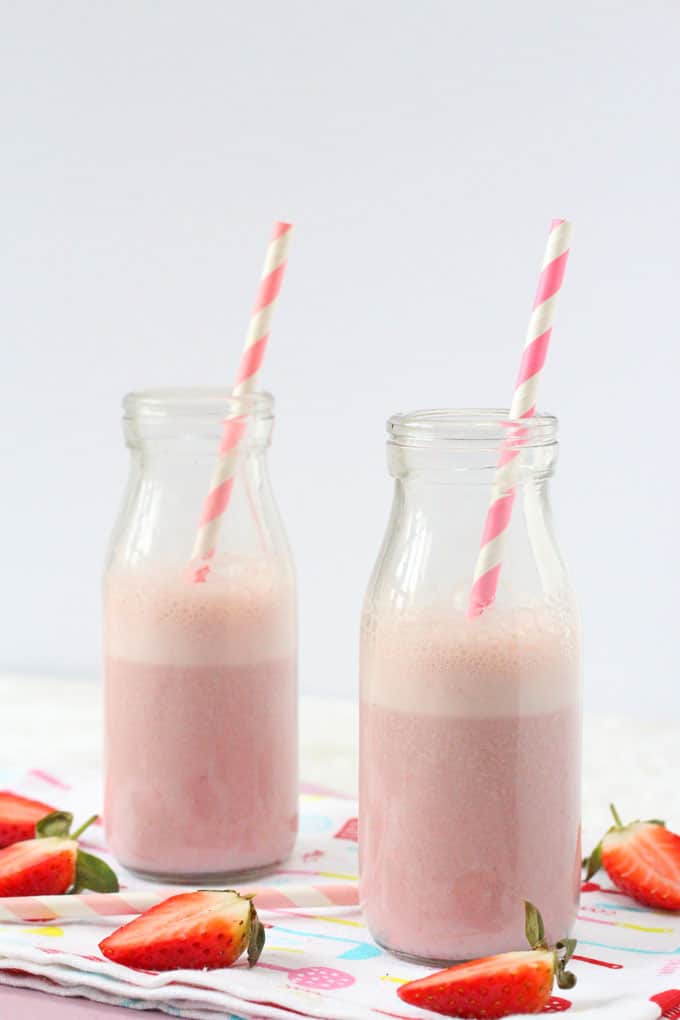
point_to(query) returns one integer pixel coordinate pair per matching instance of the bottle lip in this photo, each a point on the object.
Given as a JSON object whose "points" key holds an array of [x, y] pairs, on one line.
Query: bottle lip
{"points": [[208, 403], [471, 428]]}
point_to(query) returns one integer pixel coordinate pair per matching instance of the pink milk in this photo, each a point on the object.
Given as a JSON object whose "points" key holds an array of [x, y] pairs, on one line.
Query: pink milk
{"points": [[470, 779], [201, 724]]}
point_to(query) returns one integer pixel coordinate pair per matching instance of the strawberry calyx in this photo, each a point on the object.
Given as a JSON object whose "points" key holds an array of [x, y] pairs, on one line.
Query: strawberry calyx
{"points": [[593, 863], [256, 930], [255, 938], [562, 951], [91, 872]]}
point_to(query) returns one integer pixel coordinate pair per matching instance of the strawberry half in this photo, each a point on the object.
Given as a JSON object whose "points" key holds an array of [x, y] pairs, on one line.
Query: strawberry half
{"points": [[642, 859], [38, 867], [497, 986], [52, 863], [199, 930], [18, 817]]}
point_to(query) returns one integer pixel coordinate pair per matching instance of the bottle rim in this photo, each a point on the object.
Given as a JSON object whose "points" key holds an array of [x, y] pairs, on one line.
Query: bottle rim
{"points": [[472, 428], [207, 403]]}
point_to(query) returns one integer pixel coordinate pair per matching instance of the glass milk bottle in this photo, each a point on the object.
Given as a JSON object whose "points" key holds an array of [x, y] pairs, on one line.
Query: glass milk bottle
{"points": [[470, 726], [200, 676]]}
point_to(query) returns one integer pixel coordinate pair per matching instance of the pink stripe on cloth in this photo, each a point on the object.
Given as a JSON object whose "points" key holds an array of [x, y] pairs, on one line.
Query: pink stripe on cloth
{"points": [[269, 288], [216, 501], [271, 899], [251, 360], [550, 280], [533, 357], [47, 777], [498, 516], [341, 895]]}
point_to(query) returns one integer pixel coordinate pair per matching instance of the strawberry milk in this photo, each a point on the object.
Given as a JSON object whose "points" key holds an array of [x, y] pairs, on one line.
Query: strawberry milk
{"points": [[201, 721], [470, 778]]}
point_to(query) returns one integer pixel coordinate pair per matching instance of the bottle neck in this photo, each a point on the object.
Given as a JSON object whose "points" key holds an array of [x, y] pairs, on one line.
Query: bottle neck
{"points": [[179, 458], [448, 467]]}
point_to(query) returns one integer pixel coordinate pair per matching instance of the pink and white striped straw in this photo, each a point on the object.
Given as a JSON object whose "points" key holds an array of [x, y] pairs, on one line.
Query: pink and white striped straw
{"points": [[246, 381], [488, 566], [98, 906]]}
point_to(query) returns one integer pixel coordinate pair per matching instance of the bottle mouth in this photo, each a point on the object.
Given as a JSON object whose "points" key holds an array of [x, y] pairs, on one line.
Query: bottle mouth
{"points": [[471, 429], [198, 403]]}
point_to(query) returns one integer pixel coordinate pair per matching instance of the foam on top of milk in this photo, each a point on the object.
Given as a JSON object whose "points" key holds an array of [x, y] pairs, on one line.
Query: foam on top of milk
{"points": [[157, 615], [506, 662]]}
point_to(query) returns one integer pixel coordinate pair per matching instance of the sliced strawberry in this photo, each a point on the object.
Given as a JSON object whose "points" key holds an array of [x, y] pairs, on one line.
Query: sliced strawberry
{"points": [[18, 817], [52, 864], [206, 929], [492, 987], [38, 867], [497, 986], [643, 860]]}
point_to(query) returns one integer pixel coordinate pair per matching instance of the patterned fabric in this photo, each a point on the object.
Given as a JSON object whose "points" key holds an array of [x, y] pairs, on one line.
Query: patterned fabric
{"points": [[323, 963]]}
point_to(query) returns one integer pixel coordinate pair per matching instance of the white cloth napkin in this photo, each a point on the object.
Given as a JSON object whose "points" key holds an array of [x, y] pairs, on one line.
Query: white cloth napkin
{"points": [[323, 963]]}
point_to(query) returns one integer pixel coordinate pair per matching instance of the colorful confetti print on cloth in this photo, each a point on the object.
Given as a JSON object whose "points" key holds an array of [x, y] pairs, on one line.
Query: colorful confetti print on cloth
{"points": [[322, 963]]}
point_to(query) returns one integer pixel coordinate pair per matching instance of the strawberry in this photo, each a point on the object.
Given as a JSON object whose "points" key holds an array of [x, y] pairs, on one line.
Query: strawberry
{"points": [[642, 859], [497, 986], [52, 863], [199, 930], [38, 867], [18, 816]]}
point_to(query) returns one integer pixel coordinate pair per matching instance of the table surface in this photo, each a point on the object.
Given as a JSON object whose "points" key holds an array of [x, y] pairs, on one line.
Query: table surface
{"points": [[54, 722]]}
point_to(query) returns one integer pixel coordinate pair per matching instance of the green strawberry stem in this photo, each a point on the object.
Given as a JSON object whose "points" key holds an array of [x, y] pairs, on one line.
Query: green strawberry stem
{"points": [[85, 825], [615, 816], [562, 951], [533, 926]]}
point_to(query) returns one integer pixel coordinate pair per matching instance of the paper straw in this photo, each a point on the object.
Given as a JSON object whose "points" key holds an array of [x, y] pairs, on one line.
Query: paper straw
{"points": [[257, 336], [488, 566], [95, 906]]}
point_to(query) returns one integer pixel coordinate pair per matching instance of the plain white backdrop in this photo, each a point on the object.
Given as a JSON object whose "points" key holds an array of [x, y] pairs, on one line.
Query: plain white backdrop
{"points": [[422, 148]]}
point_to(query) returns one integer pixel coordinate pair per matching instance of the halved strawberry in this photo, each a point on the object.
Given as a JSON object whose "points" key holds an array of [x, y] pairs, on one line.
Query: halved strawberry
{"points": [[199, 930], [642, 859], [38, 867], [497, 986], [52, 863], [18, 817]]}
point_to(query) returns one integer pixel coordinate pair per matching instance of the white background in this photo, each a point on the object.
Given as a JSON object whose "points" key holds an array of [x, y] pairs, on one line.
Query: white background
{"points": [[421, 147]]}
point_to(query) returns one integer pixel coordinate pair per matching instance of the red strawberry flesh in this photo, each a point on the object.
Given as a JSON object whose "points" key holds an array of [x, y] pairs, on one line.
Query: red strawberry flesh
{"points": [[38, 867], [643, 860], [18, 816], [206, 929], [494, 986]]}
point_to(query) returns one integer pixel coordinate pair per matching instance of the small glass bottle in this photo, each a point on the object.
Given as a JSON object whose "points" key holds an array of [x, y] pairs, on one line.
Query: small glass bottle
{"points": [[470, 727], [200, 677]]}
